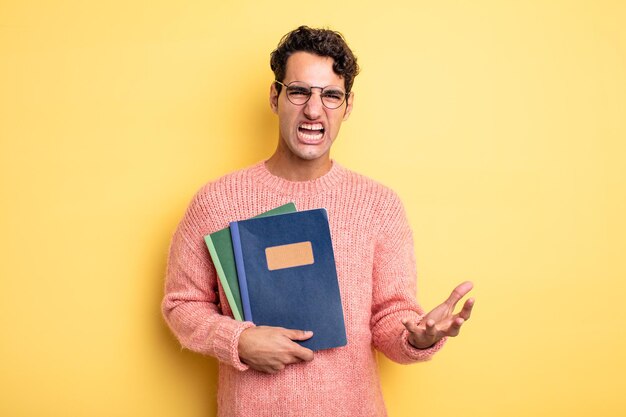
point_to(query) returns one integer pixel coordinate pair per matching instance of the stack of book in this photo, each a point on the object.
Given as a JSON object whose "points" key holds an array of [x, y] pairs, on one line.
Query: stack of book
{"points": [[278, 269]]}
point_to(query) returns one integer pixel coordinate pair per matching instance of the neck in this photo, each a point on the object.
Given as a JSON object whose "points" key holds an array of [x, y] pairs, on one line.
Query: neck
{"points": [[293, 168]]}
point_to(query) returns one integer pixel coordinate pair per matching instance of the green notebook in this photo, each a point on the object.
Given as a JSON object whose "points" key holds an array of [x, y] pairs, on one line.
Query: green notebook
{"points": [[220, 247]]}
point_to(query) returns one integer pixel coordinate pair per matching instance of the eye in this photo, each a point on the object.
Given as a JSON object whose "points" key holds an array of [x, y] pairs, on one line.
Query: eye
{"points": [[333, 95], [298, 91]]}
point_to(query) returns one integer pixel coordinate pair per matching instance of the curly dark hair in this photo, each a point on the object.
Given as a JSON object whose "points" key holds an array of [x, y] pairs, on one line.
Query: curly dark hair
{"points": [[322, 42]]}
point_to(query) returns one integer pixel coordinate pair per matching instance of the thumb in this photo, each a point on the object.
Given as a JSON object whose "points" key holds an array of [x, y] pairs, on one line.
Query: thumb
{"points": [[298, 334]]}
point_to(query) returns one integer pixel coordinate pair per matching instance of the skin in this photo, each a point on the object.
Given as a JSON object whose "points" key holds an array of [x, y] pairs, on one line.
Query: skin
{"points": [[296, 158], [269, 349], [441, 321]]}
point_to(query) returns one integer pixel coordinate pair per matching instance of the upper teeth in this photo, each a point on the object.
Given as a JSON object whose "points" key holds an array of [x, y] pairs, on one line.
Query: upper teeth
{"points": [[308, 126]]}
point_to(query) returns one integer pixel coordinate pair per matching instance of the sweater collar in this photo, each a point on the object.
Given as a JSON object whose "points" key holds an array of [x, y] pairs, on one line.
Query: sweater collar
{"points": [[283, 186]]}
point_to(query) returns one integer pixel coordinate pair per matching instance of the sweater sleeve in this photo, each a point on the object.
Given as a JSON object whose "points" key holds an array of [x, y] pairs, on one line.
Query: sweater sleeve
{"points": [[191, 302], [394, 289]]}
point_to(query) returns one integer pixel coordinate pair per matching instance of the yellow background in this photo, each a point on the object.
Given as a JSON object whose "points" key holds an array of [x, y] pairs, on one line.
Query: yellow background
{"points": [[500, 123]]}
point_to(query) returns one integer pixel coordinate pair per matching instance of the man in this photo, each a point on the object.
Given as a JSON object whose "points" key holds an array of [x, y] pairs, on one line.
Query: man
{"points": [[263, 371]]}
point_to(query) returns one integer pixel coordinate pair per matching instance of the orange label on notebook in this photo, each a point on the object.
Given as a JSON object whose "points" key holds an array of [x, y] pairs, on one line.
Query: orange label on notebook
{"points": [[289, 256]]}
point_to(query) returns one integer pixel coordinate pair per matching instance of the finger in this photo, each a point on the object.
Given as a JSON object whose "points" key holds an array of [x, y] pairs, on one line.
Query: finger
{"points": [[459, 292], [277, 368], [466, 312], [431, 329], [410, 325], [455, 327], [304, 354], [291, 358], [298, 334], [298, 352], [266, 369]]}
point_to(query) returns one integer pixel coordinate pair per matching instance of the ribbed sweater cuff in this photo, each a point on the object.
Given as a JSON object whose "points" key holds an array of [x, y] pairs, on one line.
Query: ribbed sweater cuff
{"points": [[226, 342]]}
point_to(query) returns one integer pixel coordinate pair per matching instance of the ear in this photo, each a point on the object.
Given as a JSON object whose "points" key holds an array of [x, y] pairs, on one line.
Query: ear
{"points": [[274, 98], [349, 104]]}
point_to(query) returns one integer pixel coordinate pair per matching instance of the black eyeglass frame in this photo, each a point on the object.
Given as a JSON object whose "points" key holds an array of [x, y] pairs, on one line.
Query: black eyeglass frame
{"points": [[345, 94]]}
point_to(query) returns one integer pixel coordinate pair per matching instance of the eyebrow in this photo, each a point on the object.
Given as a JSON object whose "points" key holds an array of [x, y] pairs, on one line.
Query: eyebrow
{"points": [[298, 87], [334, 86]]}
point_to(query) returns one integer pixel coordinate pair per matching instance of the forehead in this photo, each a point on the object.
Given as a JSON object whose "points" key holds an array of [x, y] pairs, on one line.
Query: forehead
{"points": [[313, 69]]}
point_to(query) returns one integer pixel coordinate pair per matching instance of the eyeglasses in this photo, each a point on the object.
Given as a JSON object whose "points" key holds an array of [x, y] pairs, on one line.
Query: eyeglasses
{"points": [[299, 93]]}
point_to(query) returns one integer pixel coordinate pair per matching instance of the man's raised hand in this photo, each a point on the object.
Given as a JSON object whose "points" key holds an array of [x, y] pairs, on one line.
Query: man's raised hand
{"points": [[441, 321]]}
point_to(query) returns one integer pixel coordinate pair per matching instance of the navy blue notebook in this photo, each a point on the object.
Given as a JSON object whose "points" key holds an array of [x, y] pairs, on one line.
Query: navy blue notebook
{"points": [[287, 275]]}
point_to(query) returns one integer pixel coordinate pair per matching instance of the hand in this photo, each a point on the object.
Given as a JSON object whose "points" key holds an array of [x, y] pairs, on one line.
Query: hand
{"points": [[270, 349], [441, 321]]}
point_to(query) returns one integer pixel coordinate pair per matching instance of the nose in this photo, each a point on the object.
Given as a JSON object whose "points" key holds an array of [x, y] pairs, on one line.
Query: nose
{"points": [[314, 107]]}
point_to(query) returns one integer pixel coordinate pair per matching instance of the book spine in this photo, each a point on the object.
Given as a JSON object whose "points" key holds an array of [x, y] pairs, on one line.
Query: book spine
{"points": [[241, 271], [222, 277]]}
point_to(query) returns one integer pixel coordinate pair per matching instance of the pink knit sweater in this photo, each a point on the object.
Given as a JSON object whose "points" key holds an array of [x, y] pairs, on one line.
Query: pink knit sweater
{"points": [[376, 269]]}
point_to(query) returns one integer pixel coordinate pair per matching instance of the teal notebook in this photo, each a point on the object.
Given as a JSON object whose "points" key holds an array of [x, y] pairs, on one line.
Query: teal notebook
{"points": [[220, 247]]}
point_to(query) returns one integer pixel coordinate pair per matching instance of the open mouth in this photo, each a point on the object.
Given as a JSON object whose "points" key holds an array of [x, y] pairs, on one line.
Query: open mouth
{"points": [[311, 131]]}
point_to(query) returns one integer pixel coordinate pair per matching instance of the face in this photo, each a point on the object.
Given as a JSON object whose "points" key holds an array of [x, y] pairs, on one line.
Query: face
{"points": [[308, 131]]}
